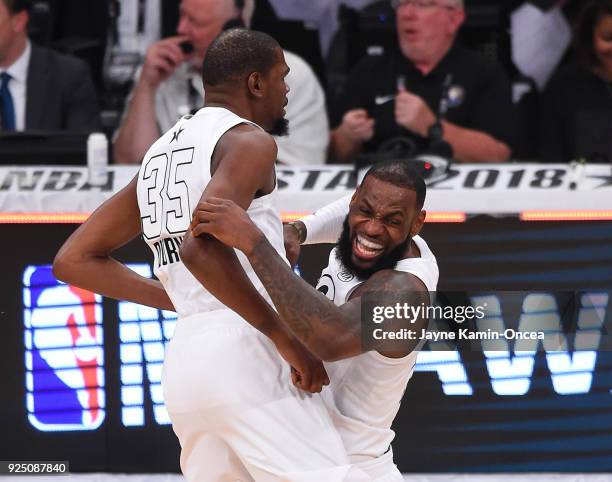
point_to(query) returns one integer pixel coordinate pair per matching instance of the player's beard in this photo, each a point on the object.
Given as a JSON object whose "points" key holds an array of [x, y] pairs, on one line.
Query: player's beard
{"points": [[344, 254], [280, 127]]}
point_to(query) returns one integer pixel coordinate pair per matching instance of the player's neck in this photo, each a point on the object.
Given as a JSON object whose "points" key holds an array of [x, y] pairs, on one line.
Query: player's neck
{"points": [[412, 251], [227, 101]]}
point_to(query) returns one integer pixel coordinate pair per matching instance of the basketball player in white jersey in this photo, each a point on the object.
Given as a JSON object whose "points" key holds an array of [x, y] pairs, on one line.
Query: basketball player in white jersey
{"points": [[379, 253], [228, 393]]}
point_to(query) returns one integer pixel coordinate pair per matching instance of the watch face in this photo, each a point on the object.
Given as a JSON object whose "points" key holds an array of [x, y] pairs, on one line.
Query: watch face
{"points": [[435, 131]]}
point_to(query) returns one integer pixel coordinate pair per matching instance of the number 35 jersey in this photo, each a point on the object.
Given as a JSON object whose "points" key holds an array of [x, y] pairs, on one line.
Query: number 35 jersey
{"points": [[173, 175]]}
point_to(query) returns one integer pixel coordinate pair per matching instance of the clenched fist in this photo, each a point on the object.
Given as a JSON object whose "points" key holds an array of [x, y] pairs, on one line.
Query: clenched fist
{"points": [[357, 125], [412, 113]]}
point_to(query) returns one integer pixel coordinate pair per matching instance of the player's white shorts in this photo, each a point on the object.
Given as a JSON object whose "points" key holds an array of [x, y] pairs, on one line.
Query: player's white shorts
{"points": [[382, 469], [233, 407]]}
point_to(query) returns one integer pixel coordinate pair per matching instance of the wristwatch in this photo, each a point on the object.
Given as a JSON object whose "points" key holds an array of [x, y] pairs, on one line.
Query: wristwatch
{"points": [[300, 228], [436, 131]]}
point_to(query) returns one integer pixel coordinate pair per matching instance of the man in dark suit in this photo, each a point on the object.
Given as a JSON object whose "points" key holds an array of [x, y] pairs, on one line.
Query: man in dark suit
{"points": [[41, 89]]}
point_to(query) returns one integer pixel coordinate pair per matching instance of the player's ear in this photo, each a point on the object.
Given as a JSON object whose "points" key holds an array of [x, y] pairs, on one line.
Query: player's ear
{"points": [[417, 224], [255, 84]]}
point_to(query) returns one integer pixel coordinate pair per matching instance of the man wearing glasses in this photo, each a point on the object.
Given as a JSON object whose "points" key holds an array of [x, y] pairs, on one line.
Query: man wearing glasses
{"points": [[397, 95]]}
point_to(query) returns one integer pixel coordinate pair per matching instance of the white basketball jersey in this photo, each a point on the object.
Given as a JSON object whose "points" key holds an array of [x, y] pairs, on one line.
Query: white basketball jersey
{"points": [[367, 389], [172, 178]]}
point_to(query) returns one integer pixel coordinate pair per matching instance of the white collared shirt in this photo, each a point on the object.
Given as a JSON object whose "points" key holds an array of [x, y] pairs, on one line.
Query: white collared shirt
{"points": [[17, 85]]}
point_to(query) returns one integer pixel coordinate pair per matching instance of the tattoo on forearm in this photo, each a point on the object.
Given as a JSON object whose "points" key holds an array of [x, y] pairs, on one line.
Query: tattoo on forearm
{"points": [[310, 315], [299, 308]]}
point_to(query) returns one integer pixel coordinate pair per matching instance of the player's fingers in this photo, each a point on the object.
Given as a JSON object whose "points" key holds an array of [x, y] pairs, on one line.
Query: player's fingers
{"points": [[202, 228], [317, 382], [306, 376], [295, 377], [207, 208], [206, 221], [217, 201], [325, 375], [204, 216]]}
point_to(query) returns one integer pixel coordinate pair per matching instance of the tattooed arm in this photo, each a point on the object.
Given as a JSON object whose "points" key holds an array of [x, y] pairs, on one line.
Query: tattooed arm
{"points": [[331, 332]]}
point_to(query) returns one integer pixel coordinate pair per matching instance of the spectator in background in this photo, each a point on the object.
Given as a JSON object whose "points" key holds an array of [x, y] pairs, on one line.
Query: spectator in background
{"points": [[170, 85], [397, 94], [41, 89], [576, 117]]}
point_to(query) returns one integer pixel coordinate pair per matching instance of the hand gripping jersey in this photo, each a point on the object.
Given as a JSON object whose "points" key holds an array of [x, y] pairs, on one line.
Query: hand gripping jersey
{"points": [[172, 178], [367, 389]]}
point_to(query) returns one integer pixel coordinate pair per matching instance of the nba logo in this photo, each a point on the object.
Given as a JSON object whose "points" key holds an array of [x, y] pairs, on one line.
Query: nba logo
{"points": [[64, 355]]}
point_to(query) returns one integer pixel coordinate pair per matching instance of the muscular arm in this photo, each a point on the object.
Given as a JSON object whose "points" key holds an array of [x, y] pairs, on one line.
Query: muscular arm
{"points": [[139, 128], [84, 260], [329, 331], [474, 146], [245, 159]]}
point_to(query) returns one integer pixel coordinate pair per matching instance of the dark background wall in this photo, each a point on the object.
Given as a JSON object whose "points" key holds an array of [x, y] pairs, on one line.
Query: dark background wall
{"points": [[541, 430]]}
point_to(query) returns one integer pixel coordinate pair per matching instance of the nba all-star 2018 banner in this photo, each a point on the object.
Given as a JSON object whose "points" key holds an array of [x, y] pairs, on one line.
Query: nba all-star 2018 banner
{"points": [[472, 189], [82, 374]]}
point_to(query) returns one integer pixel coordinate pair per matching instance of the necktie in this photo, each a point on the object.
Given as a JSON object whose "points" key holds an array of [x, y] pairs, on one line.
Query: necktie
{"points": [[7, 108]]}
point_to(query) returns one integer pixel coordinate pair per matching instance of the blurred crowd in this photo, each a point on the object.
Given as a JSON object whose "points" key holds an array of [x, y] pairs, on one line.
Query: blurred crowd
{"points": [[472, 80]]}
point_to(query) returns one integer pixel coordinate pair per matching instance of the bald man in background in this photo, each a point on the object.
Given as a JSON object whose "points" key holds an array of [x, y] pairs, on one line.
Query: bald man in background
{"points": [[169, 85]]}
